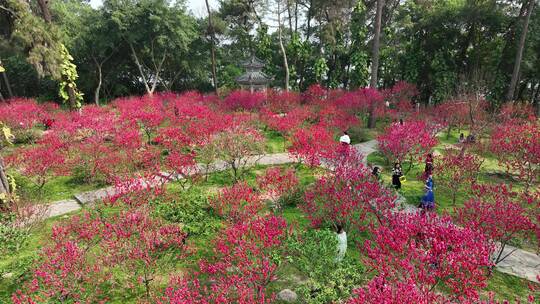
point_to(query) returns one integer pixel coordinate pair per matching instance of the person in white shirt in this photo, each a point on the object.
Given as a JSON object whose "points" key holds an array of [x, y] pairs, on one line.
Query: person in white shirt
{"points": [[342, 243], [345, 139]]}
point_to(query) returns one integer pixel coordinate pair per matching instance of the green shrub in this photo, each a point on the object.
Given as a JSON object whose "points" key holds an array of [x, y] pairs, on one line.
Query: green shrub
{"points": [[359, 134], [295, 198], [313, 253], [338, 284], [11, 238], [26, 136], [191, 209], [81, 174]]}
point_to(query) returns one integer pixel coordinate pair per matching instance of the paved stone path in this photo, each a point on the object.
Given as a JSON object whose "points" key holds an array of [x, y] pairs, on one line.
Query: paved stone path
{"points": [[520, 263]]}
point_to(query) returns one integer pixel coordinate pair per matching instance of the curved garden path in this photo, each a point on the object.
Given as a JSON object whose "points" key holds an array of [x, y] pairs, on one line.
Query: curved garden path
{"points": [[520, 263]]}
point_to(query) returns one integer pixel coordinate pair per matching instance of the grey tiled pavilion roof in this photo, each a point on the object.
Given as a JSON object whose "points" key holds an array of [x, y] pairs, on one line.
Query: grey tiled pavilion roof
{"points": [[253, 77], [253, 63], [254, 74]]}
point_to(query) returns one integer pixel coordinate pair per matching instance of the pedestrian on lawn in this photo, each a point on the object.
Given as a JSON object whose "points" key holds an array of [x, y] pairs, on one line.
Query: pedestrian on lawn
{"points": [[396, 174]]}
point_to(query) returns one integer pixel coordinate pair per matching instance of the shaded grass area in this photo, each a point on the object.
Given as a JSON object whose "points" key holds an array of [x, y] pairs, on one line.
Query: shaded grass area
{"points": [[508, 287], [360, 135], [57, 188]]}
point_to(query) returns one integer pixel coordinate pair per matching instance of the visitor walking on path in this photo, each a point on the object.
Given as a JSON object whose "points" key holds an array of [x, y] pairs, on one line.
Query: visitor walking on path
{"points": [[345, 139], [396, 174]]}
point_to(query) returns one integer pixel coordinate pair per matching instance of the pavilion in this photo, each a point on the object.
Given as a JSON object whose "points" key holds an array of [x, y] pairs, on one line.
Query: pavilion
{"points": [[254, 79]]}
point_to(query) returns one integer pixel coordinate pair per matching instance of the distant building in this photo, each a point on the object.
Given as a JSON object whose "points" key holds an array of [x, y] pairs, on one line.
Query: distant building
{"points": [[254, 79]]}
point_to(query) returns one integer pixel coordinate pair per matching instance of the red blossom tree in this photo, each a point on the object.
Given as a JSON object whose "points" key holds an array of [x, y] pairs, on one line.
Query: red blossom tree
{"points": [[312, 145], [517, 146], [410, 141], [314, 94], [517, 111], [65, 274], [241, 268], [238, 147], [346, 195], [287, 123], [421, 252], [457, 171], [244, 100], [22, 113], [146, 112], [237, 203], [382, 290], [89, 250], [338, 119], [283, 101], [496, 212], [400, 97], [361, 101], [42, 161], [277, 182], [452, 114]]}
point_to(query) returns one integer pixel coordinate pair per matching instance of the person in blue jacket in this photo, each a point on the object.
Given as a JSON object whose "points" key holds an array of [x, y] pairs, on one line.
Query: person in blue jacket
{"points": [[428, 200]]}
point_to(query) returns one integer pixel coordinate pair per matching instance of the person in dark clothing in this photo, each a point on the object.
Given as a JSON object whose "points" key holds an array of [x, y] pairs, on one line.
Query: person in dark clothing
{"points": [[396, 174], [461, 138], [428, 170], [376, 172]]}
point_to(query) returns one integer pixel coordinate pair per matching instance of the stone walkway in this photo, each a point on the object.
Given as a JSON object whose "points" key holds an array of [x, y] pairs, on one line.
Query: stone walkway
{"points": [[520, 263]]}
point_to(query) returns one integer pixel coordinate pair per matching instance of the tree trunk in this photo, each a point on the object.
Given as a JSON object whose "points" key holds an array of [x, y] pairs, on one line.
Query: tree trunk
{"points": [[6, 81], [375, 60], [296, 17], [213, 47], [519, 53], [139, 67], [309, 16], [289, 16], [98, 87], [285, 62], [72, 98], [4, 184], [44, 7], [376, 45], [536, 100]]}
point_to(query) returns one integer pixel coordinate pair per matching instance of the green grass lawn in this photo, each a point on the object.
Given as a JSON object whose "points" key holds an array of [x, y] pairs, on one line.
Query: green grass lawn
{"points": [[275, 142], [57, 188], [18, 264]]}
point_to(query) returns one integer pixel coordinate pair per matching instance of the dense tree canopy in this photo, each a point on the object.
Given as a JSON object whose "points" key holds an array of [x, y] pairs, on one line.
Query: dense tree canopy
{"points": [[141, 46]]}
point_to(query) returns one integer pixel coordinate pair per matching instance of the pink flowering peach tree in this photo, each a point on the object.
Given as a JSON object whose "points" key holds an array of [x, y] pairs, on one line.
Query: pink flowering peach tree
{"points": [[417, 253], [408, 142], [496, 212], [517, 146], [457, 171], [276, 183]]}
